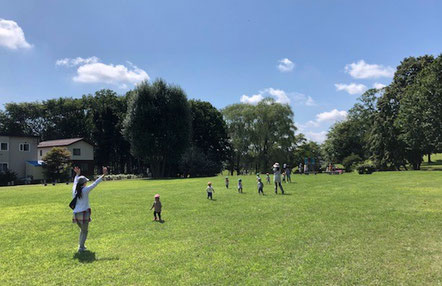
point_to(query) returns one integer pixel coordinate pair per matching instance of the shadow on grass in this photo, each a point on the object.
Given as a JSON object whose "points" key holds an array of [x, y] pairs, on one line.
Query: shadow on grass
{"points": [[85, 256], [89, 257]]}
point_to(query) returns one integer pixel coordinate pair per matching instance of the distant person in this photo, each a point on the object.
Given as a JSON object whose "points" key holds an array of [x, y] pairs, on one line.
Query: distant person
{"points": [[260, 187], [239, 186], [306, 169], [210, 191], [300, 168], [156, 208], [277, 178], [287, 173], [82, 209], [283, 176], [268, 178], [227, 182]]}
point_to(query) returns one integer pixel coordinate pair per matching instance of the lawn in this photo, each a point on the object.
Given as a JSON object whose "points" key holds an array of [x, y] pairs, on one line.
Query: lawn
{"points": [[380, 229]]}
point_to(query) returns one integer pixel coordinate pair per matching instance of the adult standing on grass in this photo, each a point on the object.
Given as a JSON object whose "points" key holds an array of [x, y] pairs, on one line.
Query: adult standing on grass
{"points": [[82, 210], [277, 178]]}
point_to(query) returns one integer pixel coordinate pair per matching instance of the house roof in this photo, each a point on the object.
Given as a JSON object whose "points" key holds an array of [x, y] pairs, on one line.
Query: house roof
{"points": [[60, 142], [35, 163]]}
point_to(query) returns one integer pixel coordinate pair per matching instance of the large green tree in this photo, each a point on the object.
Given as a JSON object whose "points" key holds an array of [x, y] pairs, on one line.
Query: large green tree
{"points": [[107, 111], [209, 142], [260, 134], [387, 146], [158, 125], [420, 114], [351, 136]]}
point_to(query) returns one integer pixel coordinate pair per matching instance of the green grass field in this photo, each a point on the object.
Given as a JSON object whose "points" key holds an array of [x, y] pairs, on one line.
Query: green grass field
{"points": [[380, 229]]}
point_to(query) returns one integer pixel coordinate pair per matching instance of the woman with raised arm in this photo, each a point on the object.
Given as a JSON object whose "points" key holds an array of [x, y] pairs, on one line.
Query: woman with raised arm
{"points": [[82, 210]]}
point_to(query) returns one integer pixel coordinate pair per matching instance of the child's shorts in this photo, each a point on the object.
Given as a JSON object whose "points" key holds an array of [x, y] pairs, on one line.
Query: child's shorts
{"points": [[209, 194]]}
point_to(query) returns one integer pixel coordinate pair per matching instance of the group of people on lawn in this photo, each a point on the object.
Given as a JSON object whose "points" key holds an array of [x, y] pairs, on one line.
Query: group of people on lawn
{"points": [[81, 189]]}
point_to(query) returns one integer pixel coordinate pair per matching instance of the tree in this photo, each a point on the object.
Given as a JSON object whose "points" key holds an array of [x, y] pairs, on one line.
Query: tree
{"points": [[209, 142], [107, 111], [351, 136], [158, 125], [57, 164], [420, 114], [261, 133], [386, 145]]}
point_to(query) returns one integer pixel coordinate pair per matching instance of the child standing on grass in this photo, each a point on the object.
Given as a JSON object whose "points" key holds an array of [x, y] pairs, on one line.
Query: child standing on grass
{"points": [[239, 186], [209, 190], [227, 182], [82, 209], [156, 208], [268, 178], [260, 187]]}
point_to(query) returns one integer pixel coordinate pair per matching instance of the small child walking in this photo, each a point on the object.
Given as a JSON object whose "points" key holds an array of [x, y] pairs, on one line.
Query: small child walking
{"points": [[260, 187], [227, 182], [239, 186], [210, 190], [268, 178], [156, 208]]}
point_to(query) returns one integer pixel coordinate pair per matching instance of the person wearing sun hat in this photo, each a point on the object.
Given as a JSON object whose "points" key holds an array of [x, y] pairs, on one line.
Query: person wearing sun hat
{"points": [[82, 209], [277, 178], [156, 208]]}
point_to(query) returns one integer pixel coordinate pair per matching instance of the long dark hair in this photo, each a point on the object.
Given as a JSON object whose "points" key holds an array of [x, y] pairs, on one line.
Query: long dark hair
{"points": [[79, 188]]}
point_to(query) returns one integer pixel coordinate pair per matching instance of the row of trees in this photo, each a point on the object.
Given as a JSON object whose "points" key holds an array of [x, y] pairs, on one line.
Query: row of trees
{"points": [[155, 126], [394, 127]]}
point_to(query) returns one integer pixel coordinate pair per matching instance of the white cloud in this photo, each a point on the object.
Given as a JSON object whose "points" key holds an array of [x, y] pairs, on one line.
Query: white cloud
{"points": [[91, 70], [285, 65], [378, 85], [279, 94], [352, 88], [323, 119], [254, 99], [363, 70], [12, 36], [331, 116], [77, 61], [318, 137]]}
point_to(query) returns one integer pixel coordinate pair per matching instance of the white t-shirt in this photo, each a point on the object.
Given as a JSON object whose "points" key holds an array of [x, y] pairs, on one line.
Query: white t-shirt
{"points": [[83, 202]]}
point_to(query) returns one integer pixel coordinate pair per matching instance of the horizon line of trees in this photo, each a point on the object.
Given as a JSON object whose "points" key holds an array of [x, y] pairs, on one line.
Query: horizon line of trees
{"points": [[396, 126], [155, 126]]}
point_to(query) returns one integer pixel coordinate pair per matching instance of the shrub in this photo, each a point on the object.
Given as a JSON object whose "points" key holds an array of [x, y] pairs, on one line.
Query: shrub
{"points": [[349, 162], [365, 168], [6, 177]]}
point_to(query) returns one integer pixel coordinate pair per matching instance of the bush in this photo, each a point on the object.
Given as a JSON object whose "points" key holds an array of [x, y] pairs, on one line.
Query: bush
{"points": [[349, 162], [365, 169], [6, 177]]}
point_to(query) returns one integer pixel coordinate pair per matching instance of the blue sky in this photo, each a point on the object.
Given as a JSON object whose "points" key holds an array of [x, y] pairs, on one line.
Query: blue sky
{"points": [[318, 56]]}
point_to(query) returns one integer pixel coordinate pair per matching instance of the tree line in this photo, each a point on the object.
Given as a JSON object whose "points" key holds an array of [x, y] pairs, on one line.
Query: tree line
{"points": [[155, 126], [395, 126]]}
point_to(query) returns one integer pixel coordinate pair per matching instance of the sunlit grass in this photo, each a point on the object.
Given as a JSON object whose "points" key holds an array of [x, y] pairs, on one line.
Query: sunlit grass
{"points": [[384, 228]]}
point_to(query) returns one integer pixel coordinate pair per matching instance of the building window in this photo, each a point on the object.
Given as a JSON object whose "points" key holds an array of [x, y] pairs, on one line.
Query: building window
{"points": [[3, 146], [77, 152], [24, 147], [41, 153], [3, 167]]}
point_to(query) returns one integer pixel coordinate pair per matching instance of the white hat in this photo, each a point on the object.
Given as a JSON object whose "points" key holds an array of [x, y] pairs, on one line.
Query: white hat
{"points": [[276, 165]]}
